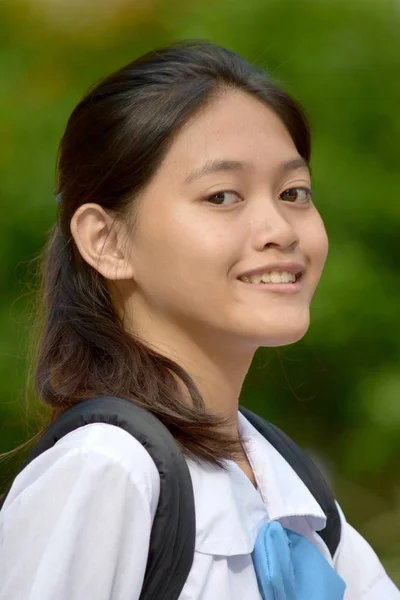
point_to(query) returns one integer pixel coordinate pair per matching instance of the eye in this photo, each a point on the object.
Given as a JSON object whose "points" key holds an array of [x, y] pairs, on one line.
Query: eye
{"points": [[219, 198], [303, 195]]}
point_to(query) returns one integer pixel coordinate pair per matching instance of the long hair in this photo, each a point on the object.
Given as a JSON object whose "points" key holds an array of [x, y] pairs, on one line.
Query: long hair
{"points": [[114, 141]]}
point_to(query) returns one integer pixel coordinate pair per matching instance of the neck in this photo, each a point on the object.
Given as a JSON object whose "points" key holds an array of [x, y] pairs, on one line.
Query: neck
{"points": [[217, 371]]}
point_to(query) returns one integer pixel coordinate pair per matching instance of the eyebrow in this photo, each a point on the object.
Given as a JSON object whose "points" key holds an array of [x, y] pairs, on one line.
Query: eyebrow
{"points": [[219, 165]]}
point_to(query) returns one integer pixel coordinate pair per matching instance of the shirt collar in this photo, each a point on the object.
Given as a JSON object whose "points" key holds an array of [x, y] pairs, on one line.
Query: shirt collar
{"points": [[230, 511], [281, 488]]}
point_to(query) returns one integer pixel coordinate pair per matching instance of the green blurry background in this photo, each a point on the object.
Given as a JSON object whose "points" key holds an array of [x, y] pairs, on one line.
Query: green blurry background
{"points": [[337, 391]]}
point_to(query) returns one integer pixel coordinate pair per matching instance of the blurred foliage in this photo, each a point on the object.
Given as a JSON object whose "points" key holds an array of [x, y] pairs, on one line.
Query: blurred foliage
{"points": [[336, 391]]}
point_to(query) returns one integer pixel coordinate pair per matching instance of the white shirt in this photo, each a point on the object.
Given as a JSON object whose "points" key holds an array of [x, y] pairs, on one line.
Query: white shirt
{"points": [[77, 521]]}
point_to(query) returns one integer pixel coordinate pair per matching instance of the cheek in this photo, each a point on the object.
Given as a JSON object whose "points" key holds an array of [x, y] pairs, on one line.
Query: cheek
{"points": [[193, 240], [315, 242], [179, 249], [323, 246]]}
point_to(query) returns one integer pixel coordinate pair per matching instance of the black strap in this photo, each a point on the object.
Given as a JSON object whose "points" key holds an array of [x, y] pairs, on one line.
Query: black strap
{"points": [[172, 540], [308, 473]]}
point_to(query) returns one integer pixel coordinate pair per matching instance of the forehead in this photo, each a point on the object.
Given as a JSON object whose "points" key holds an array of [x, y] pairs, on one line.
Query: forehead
{"points": [[235, 125]]}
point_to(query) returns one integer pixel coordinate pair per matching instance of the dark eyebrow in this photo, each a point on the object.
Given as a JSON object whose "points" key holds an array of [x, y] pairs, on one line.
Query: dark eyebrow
{"points": [[292, 165], [215, 166]]}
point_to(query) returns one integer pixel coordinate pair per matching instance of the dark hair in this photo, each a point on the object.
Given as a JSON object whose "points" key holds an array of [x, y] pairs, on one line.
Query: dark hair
{"points": [[114, 142]]}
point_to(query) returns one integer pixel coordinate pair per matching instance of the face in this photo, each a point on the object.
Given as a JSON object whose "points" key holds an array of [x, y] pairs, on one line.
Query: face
{"points": [[230, 197]]}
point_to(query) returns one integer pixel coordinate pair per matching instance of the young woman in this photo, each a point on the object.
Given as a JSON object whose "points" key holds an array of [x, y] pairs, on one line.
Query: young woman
{"points": [[186, 239]]}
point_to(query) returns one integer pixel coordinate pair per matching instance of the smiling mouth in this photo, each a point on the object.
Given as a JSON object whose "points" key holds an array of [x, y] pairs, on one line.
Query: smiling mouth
{"points": [[284, 278], [285, 287]]}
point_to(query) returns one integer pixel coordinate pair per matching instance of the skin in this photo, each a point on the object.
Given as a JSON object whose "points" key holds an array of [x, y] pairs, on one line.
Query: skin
{"points": [[176, 274]]}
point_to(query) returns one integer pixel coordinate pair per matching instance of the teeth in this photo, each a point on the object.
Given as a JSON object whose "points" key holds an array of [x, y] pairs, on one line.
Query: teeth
{"points": [[274, 277]]}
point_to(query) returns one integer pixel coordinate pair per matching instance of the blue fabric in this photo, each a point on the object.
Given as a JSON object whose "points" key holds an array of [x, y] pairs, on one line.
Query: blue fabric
{"points": [[290, 567]]}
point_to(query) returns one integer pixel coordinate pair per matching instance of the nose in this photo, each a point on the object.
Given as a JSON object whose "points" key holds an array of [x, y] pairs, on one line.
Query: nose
{"points": [[274, 226]]}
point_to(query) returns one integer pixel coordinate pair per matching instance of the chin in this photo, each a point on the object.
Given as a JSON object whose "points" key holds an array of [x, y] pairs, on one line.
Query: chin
{"points": [[283, 336], [283, 341]]}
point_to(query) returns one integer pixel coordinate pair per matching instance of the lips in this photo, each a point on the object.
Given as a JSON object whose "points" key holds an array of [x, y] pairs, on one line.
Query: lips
{"points": [[295, 268], [282, 288]]}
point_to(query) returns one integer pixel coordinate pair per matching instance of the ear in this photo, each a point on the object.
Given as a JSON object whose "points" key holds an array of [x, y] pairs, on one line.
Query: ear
{"points": [[101, 241]]}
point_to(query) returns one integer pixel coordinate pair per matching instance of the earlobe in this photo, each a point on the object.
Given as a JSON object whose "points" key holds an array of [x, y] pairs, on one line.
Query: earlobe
{"points": [[100, 238]]}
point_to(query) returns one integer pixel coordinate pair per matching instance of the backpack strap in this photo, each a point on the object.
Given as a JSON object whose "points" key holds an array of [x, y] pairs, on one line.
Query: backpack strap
{"points": [[172, 540], [308, 473]]}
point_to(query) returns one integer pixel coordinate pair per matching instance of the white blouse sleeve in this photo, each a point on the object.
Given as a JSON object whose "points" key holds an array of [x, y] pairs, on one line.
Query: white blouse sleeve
{"points": [[77, 522], [361, 569]]}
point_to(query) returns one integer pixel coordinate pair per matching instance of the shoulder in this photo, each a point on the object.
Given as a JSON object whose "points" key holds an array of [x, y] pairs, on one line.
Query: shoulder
{"points": [[102, 452], [359, 566], [76, 515]]}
